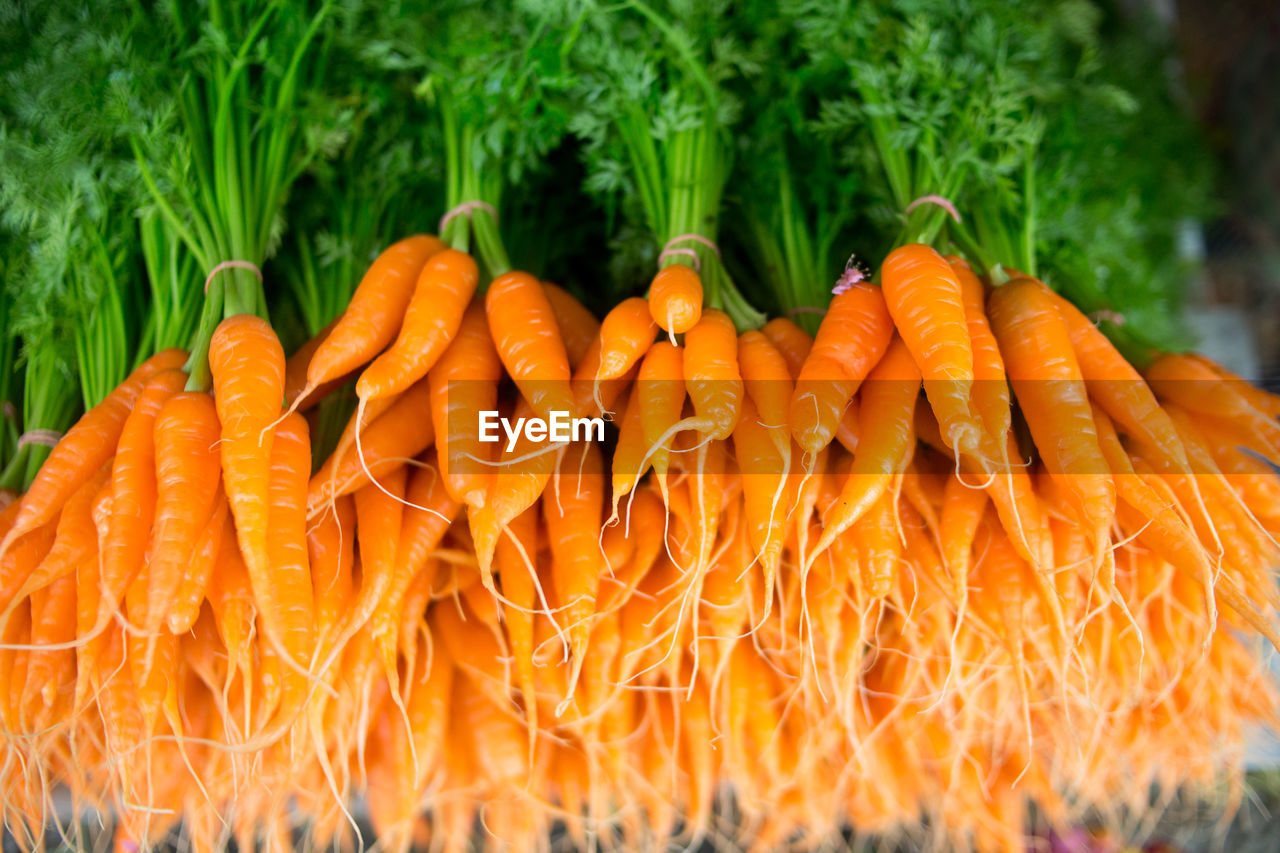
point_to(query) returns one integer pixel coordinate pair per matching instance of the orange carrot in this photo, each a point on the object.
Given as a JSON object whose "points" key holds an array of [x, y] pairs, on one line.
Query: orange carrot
{"points": [[675, 298], [625, 336], [375, 313], [572, 511], [578, 326], [712, 374], [248, 388], [402, 432], [295, 371], [791, 341], [516, 555], [331, 541], [431, 320], [924, 298], [464, 383], [187, 475], [885, 449], [286, 599], [662, 396], [133, 493], [84, 449], [852, 338], [524, 330], [1051, 392], [194, 584]]}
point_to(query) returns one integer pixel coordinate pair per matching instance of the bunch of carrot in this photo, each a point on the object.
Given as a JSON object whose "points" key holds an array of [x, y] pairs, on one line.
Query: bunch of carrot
{"points": [[951, 555]]}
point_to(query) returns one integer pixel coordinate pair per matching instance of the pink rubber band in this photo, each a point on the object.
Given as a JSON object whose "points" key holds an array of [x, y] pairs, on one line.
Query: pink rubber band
{"points": [[666, 253], [47, 437], [467, 207], [1110, 316], [698, 238], [941, 202], [228, 265]]}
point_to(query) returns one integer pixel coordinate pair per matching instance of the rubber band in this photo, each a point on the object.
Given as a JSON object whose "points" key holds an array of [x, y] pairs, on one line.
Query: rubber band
{"points": [[466, 207], [9, 411], [228, 265], [666, 253], [698, 238], [46, 437], [1112, 317], [806, 309], [940, 201]]}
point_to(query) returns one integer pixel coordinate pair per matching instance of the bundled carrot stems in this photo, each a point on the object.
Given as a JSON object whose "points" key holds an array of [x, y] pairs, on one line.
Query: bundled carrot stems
{"points": [[899, 544]]}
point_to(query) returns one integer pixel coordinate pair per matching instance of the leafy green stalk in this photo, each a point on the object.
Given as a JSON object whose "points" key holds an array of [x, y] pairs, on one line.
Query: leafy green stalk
{"points": [[219, 154], [49, 403], [70, 292], [656, 119]]}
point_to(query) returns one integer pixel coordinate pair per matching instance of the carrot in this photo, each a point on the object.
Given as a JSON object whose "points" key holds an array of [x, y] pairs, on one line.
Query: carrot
{"points": [[331, 540], [1198, 388], [925, 300], [194, 584], [247, 363], [517, 484], [962, 510], [712, 375], [379, 520], [852, 338], [1002, 580], [662, 396], [84, 449], [375, 313], [50, 674], [1142, 510], [1053, 398], [767, 494], [767, 377], [187, 476], [523, 328], [675, 298], [431, 320], [630, 456], [626, 334], [1260, 399], [1120, 389], [428, 512], [295, 370], [516, 554], [464, 383], [885, 450], [990, 386], [791, 341], [879, 545], [74, 541], [133, 493], [572, 513], [402, 432], [592, 398], [578, 326], [286, 600]]}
